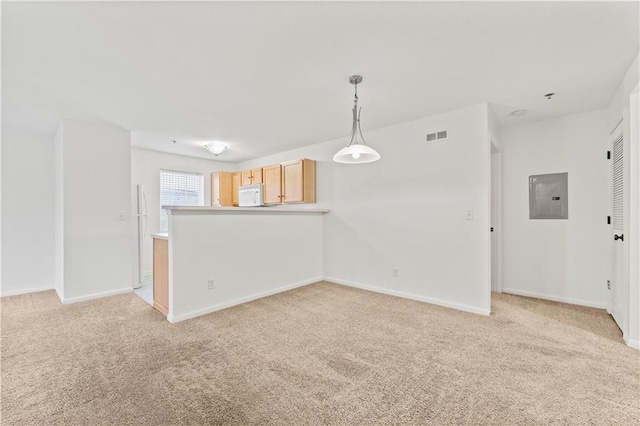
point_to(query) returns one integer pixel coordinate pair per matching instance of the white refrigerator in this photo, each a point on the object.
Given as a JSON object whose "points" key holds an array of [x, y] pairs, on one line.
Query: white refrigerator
{"points": [[139, 206]]}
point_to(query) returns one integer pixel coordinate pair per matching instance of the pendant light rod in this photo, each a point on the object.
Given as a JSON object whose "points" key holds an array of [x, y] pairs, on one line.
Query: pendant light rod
{"points": [[355, 80]]}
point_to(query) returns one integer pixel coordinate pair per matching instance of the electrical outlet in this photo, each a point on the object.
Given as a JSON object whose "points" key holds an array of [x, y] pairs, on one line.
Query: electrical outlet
{"points": [[121, 215], [211, 284], [396, 272]]}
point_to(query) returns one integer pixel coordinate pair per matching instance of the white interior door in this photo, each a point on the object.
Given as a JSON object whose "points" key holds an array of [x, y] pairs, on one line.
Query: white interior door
{"points": [[617, 287]]}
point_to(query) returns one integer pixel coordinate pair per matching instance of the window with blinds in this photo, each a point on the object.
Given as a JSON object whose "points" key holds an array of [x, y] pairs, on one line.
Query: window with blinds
{"points": [[179, 189]]}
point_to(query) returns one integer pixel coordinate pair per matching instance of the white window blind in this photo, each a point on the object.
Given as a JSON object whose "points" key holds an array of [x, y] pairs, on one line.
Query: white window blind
{"points": [[179, 189]]}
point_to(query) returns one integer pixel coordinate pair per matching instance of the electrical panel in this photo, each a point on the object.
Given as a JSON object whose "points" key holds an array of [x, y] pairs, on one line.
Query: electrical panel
{"points": [[549, 196]]}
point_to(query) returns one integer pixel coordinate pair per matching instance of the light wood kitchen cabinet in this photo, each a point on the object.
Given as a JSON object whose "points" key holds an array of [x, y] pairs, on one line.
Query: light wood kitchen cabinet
{"points": [[256, 175], [236, 181], [221, 189], [253, 176], [290, 182], [299, 181], [272, 180], [161, 275], [245, 177]]}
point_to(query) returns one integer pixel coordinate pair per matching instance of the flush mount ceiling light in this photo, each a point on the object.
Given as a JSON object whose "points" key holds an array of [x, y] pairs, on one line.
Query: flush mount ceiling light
{"points": [[518, 113], [356, 151], [216, 148]]}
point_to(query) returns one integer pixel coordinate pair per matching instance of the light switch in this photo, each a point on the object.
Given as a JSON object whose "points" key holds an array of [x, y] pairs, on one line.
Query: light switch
{"points": [[469, 215], [121, 215]]}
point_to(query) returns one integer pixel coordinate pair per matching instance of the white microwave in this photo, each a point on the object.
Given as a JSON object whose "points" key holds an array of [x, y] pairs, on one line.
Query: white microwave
{"points": [[250, 195]]}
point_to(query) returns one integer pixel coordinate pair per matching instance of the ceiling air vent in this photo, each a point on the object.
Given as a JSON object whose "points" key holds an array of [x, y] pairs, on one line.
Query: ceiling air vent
{"points": [[437, 136]]}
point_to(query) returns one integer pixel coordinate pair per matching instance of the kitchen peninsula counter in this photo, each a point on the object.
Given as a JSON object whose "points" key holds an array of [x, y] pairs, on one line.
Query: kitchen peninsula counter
{"points": [[218, 257], [259, 210]]}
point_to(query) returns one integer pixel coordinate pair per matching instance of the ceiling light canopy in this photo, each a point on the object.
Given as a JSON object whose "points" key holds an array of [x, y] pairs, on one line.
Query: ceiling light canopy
{"points": [[356, 151], [216, 148]]}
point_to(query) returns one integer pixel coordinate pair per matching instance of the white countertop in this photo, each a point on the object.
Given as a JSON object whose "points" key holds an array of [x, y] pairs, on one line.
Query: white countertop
{"points": [[161, 235], [224, 210]]}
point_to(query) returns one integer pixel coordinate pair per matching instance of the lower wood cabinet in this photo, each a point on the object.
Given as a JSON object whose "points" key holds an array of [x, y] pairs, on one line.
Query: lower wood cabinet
{"points": [[161, 275]]}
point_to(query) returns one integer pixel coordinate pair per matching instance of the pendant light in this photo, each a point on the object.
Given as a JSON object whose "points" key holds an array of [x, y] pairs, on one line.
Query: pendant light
{"points": [[356, 151]]}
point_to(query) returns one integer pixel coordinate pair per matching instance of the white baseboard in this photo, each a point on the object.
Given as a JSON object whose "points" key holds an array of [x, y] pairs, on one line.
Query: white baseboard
{"points": [[553, 298], [635, 344], [148, 276], [96, 295], [209, 309], [431, 300], [24, 291]]}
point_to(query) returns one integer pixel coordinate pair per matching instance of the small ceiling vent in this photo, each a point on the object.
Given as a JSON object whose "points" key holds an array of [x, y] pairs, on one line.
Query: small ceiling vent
{"points": [[437, 136]]}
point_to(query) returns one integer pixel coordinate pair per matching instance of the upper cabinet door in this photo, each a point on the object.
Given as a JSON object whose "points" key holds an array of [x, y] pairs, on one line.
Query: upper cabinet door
{"points": [[292, 182], [246, 177], [256, 175], [299, 181], [235, 184], [272, 179]]}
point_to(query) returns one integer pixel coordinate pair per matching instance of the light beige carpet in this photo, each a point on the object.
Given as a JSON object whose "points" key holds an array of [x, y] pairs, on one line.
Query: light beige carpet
{"points": [[321, 354]]}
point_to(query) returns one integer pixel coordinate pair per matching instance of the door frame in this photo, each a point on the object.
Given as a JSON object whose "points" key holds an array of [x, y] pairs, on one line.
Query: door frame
{"points": [[496, 215], [631, 332]]}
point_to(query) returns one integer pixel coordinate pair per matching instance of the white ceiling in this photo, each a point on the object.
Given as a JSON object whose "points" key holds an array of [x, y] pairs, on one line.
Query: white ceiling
{"points": [[267, 77]]}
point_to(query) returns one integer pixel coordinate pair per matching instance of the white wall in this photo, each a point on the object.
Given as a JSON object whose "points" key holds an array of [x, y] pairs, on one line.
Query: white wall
{"points": [[96, 186], [27, 212], [620, 99], [495, 131], [145, 170], [407, 211], [563, 260], [248, 254]]}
